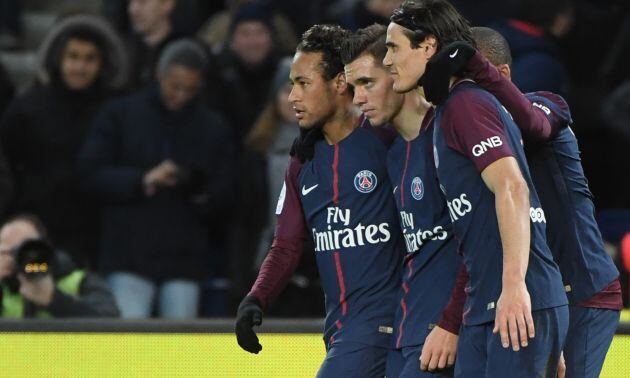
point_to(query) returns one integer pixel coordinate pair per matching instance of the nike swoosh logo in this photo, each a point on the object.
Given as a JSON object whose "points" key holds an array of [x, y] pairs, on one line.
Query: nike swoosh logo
{"points": [[454, 54], [306, 191], [395, 189]]}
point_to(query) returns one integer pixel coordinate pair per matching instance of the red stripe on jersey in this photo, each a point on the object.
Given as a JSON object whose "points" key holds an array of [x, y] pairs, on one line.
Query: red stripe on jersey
{"points": [[401, 330], [342, 285], [338, 324], [402, 179], [402, 322], [336, 175]]}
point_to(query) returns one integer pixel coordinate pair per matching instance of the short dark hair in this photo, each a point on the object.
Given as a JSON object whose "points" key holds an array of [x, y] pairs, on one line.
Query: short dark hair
{"points": [[438, 18], [325, 39], [492, 45], [369, 40], [33, 220], [183, 52]]}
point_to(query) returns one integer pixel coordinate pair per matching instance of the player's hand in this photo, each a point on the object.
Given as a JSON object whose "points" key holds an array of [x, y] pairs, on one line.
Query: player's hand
{"points": [[304, 145], [448, 62], [562, 367], [248, 315], [513, 319], [439, 350]]}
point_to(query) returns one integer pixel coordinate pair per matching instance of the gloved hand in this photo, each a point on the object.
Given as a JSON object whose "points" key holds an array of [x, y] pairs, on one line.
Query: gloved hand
{"points": [[304, 145], [248, 315], [444, 64]]}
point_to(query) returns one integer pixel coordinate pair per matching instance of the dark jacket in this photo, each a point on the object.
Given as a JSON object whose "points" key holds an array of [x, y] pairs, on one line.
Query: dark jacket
{"points": [[41, 133], [164, 236], [94, 299]]}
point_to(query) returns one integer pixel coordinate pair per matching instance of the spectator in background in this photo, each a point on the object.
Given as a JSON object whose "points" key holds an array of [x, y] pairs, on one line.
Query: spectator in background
{"points": [[215, 32], [62, 291], [152, 30], [271, 139], [239, 86], [532, 34], [368, 12], [81, 63], [161, 165]]}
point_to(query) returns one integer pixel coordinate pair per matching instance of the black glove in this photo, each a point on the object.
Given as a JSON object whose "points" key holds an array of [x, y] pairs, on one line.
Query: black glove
{"points": [[248, 315], [447, 62], [304, 145]]}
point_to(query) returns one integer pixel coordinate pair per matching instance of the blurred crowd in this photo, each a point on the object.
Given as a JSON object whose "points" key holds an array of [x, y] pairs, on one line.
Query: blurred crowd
{"points": [[151, 143]]}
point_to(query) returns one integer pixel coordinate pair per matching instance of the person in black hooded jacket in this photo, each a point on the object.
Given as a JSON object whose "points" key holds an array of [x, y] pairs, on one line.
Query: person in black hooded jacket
{"points": [[81, 63]]}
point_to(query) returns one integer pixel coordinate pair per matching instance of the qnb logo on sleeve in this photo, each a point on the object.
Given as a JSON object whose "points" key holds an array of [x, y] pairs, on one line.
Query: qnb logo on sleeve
{"points": [[537, 215], [458, 207], [485, 145]]}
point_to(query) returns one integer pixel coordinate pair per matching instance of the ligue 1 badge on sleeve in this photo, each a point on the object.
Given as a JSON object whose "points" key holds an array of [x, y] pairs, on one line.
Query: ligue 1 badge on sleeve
{"points": [[417, 188], [365, 181]]}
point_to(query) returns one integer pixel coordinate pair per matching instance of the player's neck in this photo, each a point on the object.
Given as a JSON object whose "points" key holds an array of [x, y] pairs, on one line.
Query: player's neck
{"points": [[408, 121], [341, 124]]}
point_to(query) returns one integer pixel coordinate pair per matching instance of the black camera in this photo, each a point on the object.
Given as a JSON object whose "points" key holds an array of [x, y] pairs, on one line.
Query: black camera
{"points": [[34, 258]]}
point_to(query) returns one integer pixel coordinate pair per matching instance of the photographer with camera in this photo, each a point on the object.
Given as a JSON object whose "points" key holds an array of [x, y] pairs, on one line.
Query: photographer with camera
{"points": [[37, 281]]}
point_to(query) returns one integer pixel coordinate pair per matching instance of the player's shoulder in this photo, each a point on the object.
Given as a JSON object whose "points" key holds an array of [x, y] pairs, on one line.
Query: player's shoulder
{"points": [[385, 134], [552, 104], [466, 101]]}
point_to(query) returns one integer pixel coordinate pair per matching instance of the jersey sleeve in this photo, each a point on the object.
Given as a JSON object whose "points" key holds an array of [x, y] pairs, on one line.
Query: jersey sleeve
{"points": [[530, 119], [286, 248], [472, 126], [453, 312]]}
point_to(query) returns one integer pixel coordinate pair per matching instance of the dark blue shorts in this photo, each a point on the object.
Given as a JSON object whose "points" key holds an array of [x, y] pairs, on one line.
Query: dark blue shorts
{"points": [[405, 363], [351, 359], [480, 353], [591, 331]]}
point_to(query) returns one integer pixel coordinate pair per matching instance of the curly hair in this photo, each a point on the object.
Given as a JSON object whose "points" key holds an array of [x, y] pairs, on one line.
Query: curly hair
{"points": [[369, 40], [325, 39], [438, 18]]}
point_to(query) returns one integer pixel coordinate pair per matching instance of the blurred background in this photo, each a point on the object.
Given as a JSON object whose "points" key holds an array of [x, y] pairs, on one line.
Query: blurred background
{"points": [[154, 187]]}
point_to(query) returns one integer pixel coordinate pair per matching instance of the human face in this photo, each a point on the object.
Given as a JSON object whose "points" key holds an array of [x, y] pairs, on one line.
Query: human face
{"points": [[11, 236], [373, 91], [406, 64], [147, 15], [80, 64], [252, 42], [178, 85], [312, 97]]}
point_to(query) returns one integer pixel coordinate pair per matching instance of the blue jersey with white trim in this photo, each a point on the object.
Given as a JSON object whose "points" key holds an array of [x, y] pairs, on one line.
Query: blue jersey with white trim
{"points": [[472, 130], [572, 232], [351, 216], [432, 258]]}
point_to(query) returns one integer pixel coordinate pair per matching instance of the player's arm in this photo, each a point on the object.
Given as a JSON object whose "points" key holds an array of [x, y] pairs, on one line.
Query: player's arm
{"points": [[513, 315], [470, 120], [280, 263], [440, 346]]}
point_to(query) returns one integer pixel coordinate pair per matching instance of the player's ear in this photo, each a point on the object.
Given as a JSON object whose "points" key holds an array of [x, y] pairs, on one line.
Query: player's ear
{"points": [[431, 44], [341, 85], [505, 70]]}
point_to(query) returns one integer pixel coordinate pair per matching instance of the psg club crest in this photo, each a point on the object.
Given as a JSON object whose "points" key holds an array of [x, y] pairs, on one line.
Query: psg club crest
{"points": [[365, 181], [417, 188]]}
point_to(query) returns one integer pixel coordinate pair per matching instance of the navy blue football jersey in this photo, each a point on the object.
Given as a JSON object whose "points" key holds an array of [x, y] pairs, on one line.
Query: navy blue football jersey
{"points": [[473, 130], [351, 216], [572, 232], [432, 260]]}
